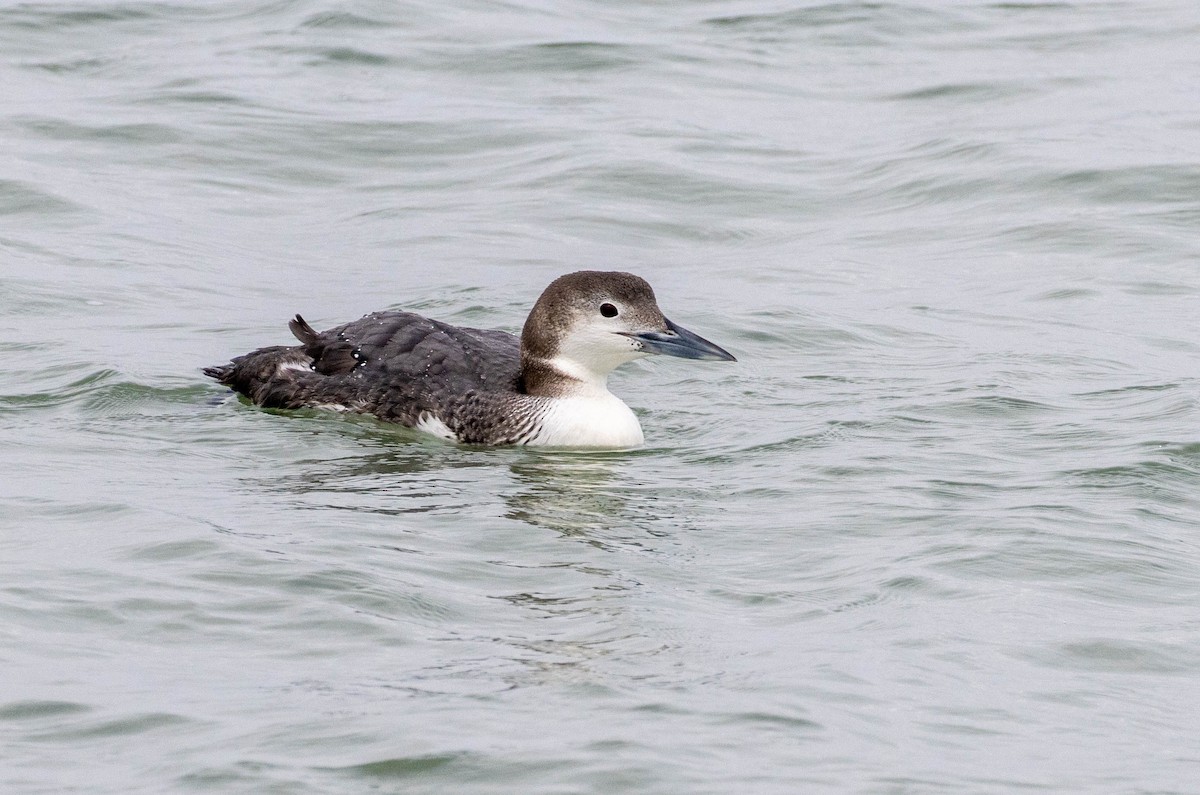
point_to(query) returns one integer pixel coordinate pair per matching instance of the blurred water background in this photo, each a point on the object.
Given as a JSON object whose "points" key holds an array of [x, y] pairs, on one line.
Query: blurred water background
{"points": [[936, 532]]}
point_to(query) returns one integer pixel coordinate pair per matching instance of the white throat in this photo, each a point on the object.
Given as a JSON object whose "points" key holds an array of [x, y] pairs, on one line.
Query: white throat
{"points": [[588, 378]]}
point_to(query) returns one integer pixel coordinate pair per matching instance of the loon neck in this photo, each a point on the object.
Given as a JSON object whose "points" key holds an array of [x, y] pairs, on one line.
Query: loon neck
{"points": [[560, 377]]}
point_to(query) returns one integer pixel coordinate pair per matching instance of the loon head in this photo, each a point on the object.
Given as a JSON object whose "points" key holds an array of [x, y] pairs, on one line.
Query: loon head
{"points": [[588, 323]]}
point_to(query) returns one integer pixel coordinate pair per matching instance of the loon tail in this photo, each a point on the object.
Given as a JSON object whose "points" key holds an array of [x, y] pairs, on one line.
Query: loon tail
{"points": [[220, 372]]}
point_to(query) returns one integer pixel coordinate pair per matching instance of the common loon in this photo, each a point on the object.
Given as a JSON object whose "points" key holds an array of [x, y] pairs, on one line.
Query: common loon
{"points": [[548, 388]]}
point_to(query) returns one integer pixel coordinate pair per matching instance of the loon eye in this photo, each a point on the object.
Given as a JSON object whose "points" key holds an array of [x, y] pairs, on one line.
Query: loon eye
{"points": [[608, 310]]}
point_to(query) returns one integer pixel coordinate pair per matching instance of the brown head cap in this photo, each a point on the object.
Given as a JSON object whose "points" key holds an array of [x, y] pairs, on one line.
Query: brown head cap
{"points": [[577, 295]]}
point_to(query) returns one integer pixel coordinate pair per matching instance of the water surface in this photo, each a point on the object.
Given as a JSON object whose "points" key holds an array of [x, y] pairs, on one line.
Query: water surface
{"points": [[935, 531]]}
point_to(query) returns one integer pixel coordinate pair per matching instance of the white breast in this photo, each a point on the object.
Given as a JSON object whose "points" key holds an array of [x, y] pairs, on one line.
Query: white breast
{"points": [[596, 419]]}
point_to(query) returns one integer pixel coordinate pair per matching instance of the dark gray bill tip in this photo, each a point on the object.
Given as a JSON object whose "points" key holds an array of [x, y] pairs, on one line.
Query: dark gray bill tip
{"points": [[678, 341]]}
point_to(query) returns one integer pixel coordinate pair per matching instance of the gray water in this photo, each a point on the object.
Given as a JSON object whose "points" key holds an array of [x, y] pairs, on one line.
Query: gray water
{"points": [[935, 532]]}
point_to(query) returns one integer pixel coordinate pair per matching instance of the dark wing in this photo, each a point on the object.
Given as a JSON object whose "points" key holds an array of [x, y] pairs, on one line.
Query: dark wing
{"points": [[395, 365], [400, 346]]}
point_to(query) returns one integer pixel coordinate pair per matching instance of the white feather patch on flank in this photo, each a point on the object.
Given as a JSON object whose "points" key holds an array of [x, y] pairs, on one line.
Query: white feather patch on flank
{"points": [[430, 424], [283, 367], [332, 407]]}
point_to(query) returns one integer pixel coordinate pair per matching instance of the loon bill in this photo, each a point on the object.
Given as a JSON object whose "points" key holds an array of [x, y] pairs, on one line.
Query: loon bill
{"points": [[548, 388]]}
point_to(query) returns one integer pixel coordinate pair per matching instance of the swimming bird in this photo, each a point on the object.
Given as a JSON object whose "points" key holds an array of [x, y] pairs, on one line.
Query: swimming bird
{"points": [[547, 388]]}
